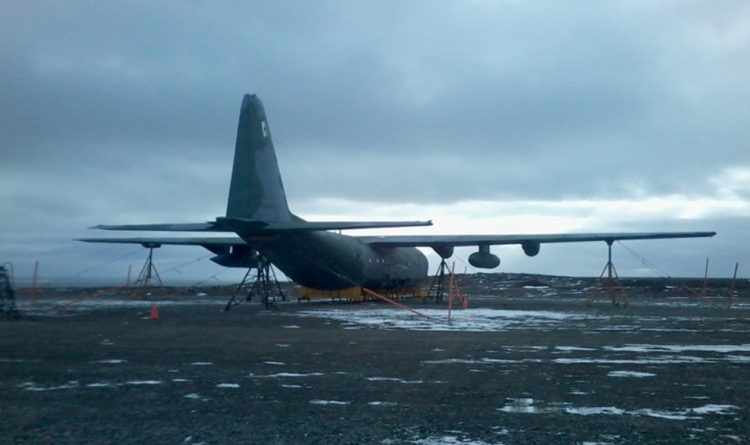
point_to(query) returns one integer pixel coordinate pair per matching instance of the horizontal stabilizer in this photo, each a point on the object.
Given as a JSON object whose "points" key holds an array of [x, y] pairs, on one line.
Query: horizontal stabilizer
{"points": [[186, 227], [157, 241], [246, 226]]}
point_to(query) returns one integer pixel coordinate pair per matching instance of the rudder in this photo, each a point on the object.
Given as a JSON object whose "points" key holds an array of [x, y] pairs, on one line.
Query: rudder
{"points": [[256, 191]]}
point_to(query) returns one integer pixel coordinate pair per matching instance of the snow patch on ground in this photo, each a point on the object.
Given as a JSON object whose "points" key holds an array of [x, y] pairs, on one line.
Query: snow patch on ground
{"points": [[329, 402], [449, 440], [100, 385], [381, 403], [523, 406], [528, 406], [679, 348], [661, 360], [479, 361], [594, 410], [635, 374], [288, 374], [468, 320], [715, 409], [31, 386], [111, 361], [670, 415], [393, 379]]}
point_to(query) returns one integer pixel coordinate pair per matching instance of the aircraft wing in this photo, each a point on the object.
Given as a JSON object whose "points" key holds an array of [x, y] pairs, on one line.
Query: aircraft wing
{"points": [[474, 240], [156, 241]]}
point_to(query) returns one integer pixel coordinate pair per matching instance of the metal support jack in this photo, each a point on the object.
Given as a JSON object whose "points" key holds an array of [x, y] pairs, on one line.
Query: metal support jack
{"points": [[7, 296], [732, 292], [149, 273], [438, 285], [266, 285], [610, 279], [454, 293]]}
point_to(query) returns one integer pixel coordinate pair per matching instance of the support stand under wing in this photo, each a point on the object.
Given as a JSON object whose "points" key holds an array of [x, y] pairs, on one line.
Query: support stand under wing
{"points": [[439, 284], [266, 285], [7, 296], [149, 273], [610, 281]]}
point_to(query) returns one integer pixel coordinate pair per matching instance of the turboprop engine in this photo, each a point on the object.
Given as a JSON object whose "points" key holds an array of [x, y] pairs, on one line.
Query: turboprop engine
{"points": [[483, 259], [530, 248], [236, 256]]}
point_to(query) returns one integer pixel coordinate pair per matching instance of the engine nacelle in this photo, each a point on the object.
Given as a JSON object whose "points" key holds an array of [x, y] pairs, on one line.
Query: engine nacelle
{"points": [[237, 256], [530, 248], [484, 259]]}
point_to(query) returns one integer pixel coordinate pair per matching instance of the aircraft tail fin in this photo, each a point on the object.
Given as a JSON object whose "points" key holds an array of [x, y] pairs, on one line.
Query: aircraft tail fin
{"points": [[256, 191]]}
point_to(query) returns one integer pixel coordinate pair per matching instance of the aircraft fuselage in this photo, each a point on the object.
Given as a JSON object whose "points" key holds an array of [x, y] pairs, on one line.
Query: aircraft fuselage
{"points": [[329, 261]]}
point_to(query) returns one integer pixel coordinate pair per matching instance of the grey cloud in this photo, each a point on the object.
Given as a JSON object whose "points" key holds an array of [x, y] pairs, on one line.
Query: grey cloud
{"points": [[124, 113]]}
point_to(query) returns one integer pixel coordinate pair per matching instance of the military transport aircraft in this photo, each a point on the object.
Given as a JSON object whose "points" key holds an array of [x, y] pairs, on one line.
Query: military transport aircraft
{"points": [[310, 253]]}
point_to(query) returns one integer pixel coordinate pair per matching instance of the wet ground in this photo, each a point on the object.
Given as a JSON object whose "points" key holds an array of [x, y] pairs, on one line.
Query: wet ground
{"points": [[524, 364]]}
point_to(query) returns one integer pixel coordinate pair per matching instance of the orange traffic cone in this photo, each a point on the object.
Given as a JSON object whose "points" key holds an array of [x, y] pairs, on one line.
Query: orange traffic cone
{"points": [[154, 312]]}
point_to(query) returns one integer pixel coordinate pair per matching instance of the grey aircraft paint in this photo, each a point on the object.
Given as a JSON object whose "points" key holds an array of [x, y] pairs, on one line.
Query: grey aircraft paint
{"points": [[306, 252], [317, 259]]}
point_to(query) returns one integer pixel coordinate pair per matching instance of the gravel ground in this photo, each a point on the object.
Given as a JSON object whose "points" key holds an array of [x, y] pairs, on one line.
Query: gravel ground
{"points": [[530, 364]]}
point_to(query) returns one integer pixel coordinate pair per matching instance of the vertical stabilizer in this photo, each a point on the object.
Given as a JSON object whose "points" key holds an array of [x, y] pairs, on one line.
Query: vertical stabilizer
{"points": [[256, 191]]}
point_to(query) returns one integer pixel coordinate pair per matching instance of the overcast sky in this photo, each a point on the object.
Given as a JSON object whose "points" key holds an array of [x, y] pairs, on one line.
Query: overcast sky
{"points": [[488, 117]]}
